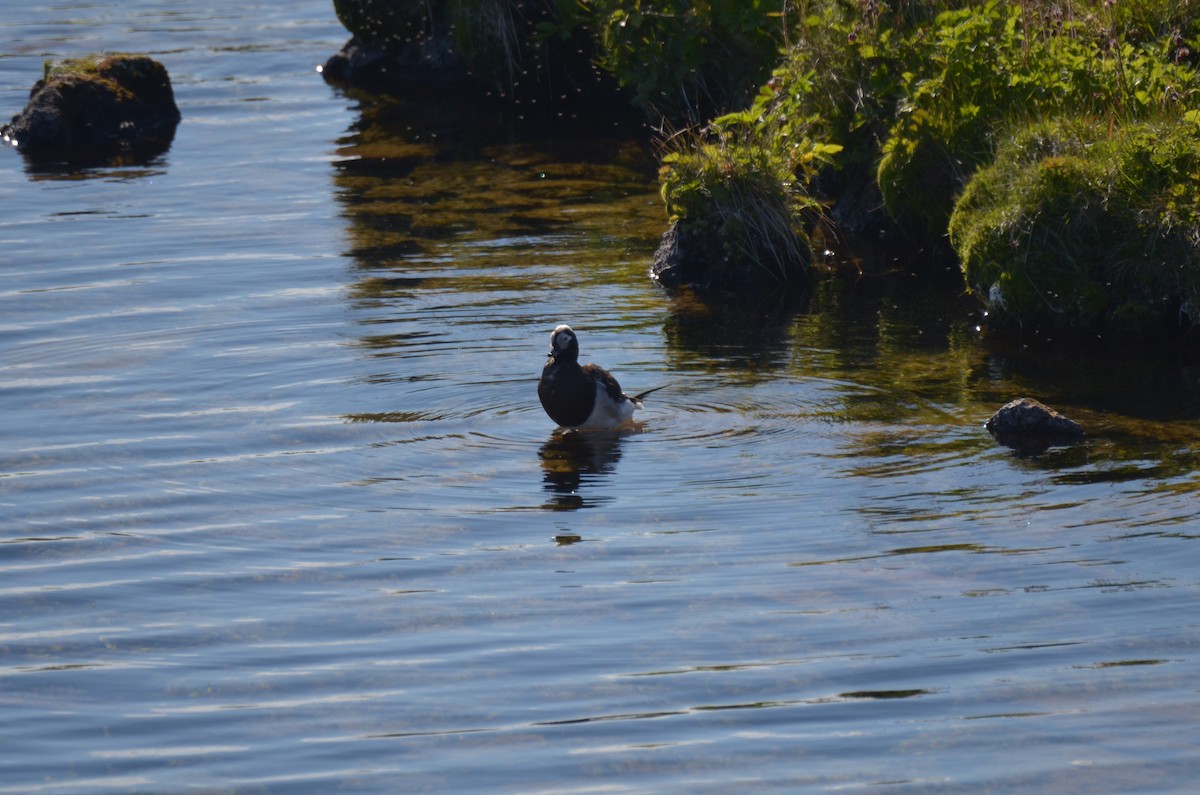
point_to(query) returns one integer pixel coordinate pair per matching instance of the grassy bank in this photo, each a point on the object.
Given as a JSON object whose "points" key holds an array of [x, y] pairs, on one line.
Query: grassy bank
{"points": [[1061, 138], [1026, 136]]}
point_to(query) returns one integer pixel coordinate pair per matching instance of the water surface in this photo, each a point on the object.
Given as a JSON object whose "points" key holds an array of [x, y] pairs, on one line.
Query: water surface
{"points": [[281, 512]]}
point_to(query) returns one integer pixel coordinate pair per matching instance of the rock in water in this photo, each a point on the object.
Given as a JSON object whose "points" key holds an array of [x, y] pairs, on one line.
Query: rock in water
{"points": [[1030, 427], [97, 109]]}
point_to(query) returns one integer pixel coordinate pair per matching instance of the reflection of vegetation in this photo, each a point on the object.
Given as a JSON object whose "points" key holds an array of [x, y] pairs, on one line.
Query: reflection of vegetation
{"points": [[415, 178], [447, 223], [752, 336], [911, 336]]}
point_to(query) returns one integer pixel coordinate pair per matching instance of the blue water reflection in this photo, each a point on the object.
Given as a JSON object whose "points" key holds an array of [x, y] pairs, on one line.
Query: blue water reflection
{"points": [[282, 512]]}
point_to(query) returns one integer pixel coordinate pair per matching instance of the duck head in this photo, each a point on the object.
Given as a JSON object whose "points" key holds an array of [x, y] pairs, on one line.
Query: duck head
{"points": [[564, 347]]}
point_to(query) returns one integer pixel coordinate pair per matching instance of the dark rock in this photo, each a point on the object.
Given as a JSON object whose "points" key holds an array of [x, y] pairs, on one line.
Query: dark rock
{"points": [[699, 260], [1030, 427], [426, 62], [668, 266], [96, 110], [432, 69]]}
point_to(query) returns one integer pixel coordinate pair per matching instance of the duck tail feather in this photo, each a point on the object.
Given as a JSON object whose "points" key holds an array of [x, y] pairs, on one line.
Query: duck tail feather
{"points": [[640, 396]]}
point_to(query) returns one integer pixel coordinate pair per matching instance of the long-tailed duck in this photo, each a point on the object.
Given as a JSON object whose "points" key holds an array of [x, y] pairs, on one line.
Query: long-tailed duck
{"points": [[584, 396]]}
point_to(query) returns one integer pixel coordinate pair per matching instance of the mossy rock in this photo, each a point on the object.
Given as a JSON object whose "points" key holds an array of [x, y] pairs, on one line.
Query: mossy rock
{"points": [[738, 220], [1073, 230], [96, 109]]}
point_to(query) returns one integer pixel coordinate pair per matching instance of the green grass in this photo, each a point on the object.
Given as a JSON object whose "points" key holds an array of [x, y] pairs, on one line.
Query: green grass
{"points": [[739, 203], [1077, 230]]}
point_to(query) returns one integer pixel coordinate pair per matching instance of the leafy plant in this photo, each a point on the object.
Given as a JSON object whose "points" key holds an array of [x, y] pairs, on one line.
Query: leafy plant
{"points": [[989, 67]]}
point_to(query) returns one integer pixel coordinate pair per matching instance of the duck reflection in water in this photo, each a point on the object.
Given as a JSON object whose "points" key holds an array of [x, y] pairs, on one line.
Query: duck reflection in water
{"points": [[570, 458]]}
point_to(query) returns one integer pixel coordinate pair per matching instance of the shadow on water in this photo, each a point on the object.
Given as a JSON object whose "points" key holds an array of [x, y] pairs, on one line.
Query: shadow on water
{"points": [[1154, 385], [142, 159], [571, 459], [750, 334], [117, 169]]}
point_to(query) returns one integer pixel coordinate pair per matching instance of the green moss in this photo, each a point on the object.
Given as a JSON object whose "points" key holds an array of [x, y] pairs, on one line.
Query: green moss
{"points": [[1073, 228], [95, 68], [916, 93], [119, 75], [70, 67]]}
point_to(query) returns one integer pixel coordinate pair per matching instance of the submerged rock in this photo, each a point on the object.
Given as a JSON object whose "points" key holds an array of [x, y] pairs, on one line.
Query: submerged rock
{"points": [[96, 109], [1030, 427]]}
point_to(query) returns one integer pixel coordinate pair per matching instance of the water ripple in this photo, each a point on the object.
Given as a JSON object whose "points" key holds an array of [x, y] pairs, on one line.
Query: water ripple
{"points": [[278, 491]]}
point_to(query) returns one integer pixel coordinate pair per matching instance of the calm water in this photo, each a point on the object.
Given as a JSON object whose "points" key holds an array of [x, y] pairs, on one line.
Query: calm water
{"points": [[279, 511]]}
